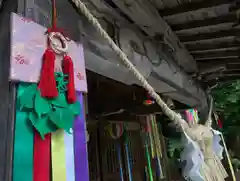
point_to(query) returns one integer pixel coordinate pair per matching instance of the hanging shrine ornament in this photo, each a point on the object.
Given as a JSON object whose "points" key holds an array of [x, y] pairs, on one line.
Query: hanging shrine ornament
{"points": [[202, 150], [50, 140]]}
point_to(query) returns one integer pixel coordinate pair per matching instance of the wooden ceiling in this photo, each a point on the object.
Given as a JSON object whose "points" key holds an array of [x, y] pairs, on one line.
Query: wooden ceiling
{"points": [[209, 29]]}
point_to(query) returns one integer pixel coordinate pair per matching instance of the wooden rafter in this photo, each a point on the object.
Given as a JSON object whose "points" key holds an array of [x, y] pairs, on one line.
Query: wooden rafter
{"points": [[230, 72], [193, 6], [146, 17], [214, 62], [233, 66], [209, 36], [222, 76], [222, 79], [229, 18], [218, 54], [212, 46]]}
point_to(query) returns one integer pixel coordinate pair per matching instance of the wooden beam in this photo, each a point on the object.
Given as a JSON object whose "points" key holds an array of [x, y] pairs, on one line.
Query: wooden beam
{"points": [[229, 18], [207, 46], [227, 78], [230, 72], [229, 63], [223, 73], [209, 36], [219, 61], [235, 66], [7, 92], [222, 79], [192, 6], [153, 24], [218, 54], [219, 76]]}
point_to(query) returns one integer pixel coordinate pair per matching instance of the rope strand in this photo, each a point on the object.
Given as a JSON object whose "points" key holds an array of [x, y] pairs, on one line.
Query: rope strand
{"points": [[209, 119], [170, 113]]}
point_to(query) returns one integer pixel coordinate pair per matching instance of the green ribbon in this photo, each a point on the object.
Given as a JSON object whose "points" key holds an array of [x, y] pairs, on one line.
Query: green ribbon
{"points": [[23, 144]]}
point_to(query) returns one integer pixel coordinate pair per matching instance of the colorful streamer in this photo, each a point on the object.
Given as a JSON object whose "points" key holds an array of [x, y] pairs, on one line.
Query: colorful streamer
{"points": [[42, 157], [128, 159], [195, 116], [69, 151], [145, 138], [80, 145], [150, 136], [149, 163], [23, 145], [58, 156], [157, 145], [120, 161], [192, 115], [189, 116]]}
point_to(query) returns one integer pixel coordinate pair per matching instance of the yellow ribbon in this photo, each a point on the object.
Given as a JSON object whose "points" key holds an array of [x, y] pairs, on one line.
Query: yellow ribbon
{"points": [[58, 156]]}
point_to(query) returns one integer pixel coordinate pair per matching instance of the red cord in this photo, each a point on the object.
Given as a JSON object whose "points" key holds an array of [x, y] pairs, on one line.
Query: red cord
{"points": [[69, 70], [54, 16]]}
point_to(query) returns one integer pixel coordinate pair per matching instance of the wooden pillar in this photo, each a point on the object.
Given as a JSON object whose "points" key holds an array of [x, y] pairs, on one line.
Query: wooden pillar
{"points": [[7, 92]]}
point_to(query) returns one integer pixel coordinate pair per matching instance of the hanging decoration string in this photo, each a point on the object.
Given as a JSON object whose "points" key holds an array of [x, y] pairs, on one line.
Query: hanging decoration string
{"points": [[119, 127], [157, 146], [146, 147], [54, 15], [120, 161], [150, 136], [228, 158], [170, 113], [128, 156], [57, 44], [218, 121]]}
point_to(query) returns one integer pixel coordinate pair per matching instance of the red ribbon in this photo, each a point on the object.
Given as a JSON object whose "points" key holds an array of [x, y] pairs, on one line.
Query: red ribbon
{"points": [[42, 158]]}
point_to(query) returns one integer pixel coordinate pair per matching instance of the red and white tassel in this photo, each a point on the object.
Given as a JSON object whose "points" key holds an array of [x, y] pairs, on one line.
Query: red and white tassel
{"points": [[47, 84], [69, 70]]}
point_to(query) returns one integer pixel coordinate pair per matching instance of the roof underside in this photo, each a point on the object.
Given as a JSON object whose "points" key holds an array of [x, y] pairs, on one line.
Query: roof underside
{"points": [[209, 29]]}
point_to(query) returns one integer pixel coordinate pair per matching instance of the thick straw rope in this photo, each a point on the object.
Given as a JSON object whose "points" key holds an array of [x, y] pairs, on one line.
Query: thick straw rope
{"points": [[170, 113], [209, 119]]}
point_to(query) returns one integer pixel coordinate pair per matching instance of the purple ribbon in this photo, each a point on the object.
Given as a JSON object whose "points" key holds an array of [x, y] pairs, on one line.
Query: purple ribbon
{"points": [[80, 144]]}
